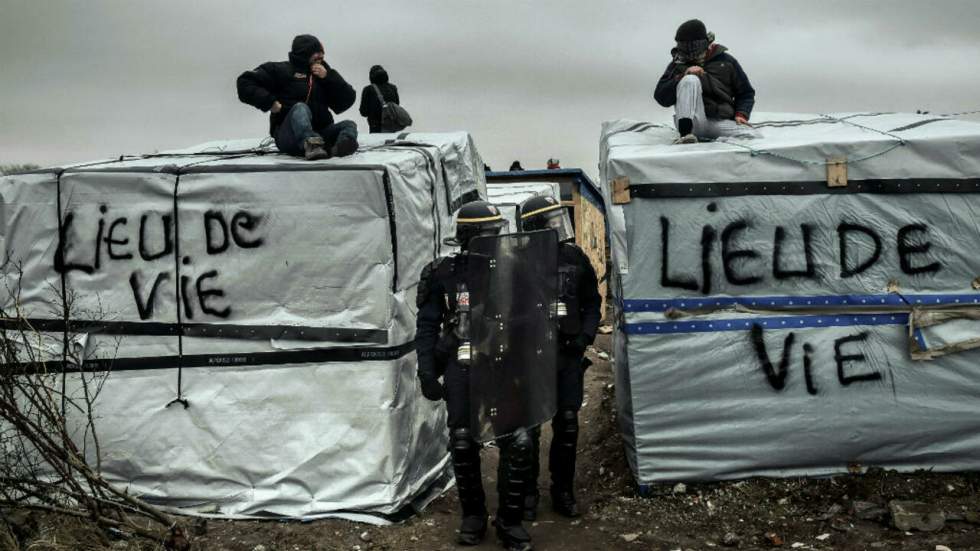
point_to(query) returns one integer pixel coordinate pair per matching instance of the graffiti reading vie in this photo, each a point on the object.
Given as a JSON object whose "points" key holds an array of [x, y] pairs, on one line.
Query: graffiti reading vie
{"points": [[847, 359], [154, 236]]}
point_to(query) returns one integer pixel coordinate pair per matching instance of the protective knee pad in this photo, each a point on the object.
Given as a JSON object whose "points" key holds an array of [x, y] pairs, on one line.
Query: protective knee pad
{"points": [[566, 426], [461, 441], [561, 460], [522, 443], [535, 470], [514, 471], [465, 454]]}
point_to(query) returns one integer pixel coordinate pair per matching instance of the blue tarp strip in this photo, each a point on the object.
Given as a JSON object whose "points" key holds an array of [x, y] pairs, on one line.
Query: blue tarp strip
{"points": [[816, 301], [768, 322]]}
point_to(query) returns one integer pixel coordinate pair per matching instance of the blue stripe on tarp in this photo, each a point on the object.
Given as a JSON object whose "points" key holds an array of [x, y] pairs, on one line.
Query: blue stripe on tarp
{"points": [[892, 299], [921, 339], [769, 322]]}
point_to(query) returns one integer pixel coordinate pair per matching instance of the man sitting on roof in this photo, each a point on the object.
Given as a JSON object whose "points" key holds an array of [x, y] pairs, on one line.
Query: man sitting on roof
{"points": [[299, 95], [710, 92]]}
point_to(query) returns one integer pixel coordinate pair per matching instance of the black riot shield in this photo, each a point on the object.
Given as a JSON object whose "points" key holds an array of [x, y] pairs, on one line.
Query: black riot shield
{"points": [[513, 292]]}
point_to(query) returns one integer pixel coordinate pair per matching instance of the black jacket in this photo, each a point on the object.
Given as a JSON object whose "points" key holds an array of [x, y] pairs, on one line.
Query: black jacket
{"points": [[370, 104], [436, 301], [725, 87], [580, 292], [290, 82]]}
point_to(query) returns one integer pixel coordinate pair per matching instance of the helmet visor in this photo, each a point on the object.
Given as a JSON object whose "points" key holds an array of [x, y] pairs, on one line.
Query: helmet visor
{"points": [[560, 222], [465, 232]]}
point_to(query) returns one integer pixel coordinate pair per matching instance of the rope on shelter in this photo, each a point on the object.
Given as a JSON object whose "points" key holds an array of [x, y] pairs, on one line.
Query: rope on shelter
{"points": [[807, 162], [899, 142]]}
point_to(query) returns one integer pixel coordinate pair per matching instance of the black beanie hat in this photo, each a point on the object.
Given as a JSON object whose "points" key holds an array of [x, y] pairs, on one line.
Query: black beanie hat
{"points": [[690, 31], [304, 46]]}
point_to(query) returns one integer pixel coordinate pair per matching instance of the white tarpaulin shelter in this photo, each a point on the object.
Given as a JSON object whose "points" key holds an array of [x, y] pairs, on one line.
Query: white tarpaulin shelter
{"points": [[778, 296], [508, 198], [257, 313]]}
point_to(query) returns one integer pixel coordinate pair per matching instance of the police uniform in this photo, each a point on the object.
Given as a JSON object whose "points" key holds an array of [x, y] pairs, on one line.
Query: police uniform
{"points": [[579, 290], [441, 287]]}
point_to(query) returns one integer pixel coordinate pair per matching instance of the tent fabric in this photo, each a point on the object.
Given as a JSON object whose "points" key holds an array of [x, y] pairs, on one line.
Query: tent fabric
{"points": [[766, 320], [273, 296]]}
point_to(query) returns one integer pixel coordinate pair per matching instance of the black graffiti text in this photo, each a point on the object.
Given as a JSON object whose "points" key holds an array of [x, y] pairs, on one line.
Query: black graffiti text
{"points": [[847, 359], [140, 240], [728, 250]]}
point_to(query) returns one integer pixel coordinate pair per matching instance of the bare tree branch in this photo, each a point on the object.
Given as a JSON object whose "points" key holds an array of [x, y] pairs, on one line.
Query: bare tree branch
{"points": [[50, 453]]}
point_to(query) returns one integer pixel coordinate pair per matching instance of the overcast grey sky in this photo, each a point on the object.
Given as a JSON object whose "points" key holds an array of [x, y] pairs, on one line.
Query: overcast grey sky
{"points": [[530, 80]]}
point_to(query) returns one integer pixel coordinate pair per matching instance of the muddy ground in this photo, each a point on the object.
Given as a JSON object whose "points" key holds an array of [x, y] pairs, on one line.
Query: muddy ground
{"points": [[846, 512]]}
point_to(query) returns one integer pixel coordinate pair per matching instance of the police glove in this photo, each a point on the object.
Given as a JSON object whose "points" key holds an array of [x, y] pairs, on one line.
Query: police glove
{"points": [[432, 389]]}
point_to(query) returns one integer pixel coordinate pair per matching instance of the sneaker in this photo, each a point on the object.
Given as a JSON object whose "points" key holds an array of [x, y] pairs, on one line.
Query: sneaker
{"points": [[513, 537], [472, 530], [313, 149], [563, 502], [346, 145], [686, 138]]}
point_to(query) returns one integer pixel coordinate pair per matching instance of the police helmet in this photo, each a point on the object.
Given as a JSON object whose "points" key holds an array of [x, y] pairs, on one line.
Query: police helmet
{"points": [[476, 218], [543, 212]]}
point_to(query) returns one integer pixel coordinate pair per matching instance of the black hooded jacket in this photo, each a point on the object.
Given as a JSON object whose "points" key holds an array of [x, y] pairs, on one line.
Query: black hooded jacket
{"points": [[725, 87], [370, 104], [291, 82]]}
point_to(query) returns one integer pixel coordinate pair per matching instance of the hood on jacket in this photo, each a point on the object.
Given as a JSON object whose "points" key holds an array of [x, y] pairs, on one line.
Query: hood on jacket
{"points": [[714, 50], [304, 46], [378, 75]]}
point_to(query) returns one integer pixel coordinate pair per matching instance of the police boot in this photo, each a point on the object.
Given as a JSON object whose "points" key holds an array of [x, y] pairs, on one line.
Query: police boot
{"points": [[531, 494], [562, 463], [563, 502], [512, 480], [466, 466], [513, 537], [472, 529]]}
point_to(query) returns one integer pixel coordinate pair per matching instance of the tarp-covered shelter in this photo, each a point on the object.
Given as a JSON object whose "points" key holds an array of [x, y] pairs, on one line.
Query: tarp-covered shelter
{"points": [[584, 201], [803, 303], [256, 314], [508, 198]]}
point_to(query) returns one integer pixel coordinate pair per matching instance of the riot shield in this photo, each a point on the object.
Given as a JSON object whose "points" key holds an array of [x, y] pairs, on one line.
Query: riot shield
{"points": [[513, 291]]}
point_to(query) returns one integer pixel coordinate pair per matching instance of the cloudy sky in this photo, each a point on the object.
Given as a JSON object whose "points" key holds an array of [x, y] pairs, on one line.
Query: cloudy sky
{"points": [[529, 79]]}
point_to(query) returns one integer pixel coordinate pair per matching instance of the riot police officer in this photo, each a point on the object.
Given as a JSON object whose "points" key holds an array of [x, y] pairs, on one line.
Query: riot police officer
{"points": [[578, 290], [442, 298]]}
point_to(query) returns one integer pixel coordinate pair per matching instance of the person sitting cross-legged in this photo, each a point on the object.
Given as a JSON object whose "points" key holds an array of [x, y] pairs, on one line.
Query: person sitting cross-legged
{"points": [[299, 95], [710, 93]]}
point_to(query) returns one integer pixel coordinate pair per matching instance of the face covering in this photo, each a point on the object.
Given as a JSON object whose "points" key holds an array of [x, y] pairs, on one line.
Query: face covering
{"points": [[693, 51]]}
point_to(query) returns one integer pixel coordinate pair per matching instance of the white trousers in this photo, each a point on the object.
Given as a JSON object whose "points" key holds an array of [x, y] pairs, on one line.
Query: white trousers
{"points": [[690, 105]]}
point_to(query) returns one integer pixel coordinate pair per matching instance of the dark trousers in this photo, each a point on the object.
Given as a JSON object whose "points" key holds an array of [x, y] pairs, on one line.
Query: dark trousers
{"points": [[564, 441], [298, 126], [515, 454]]}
